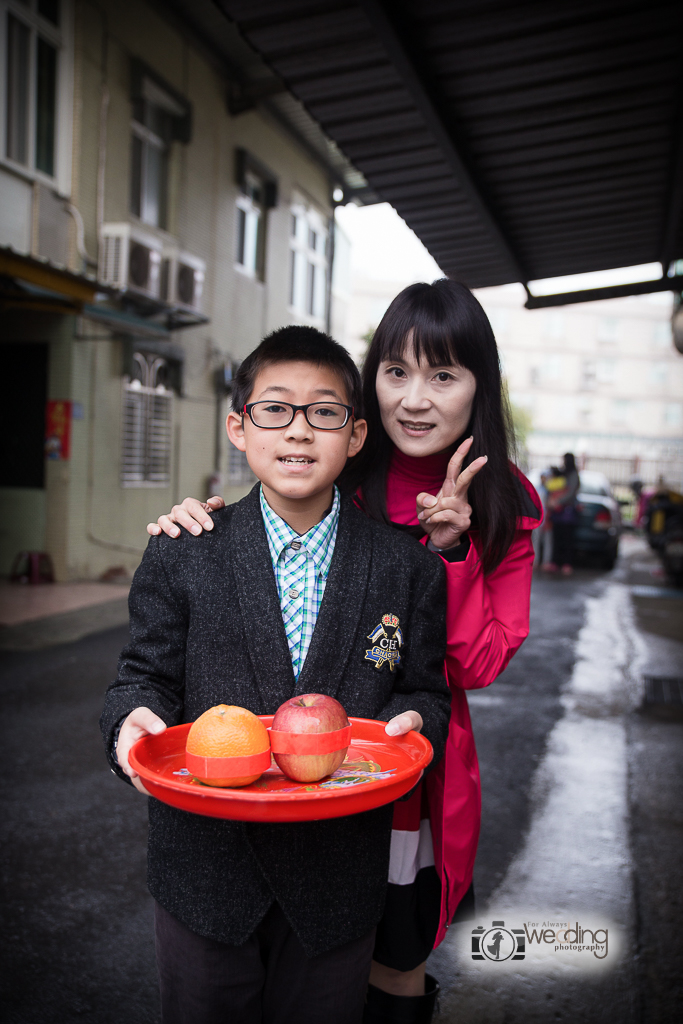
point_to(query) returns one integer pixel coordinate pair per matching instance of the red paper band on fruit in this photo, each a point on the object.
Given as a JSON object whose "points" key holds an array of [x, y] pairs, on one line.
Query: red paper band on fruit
{"points": [[227, 767], [309, 737], [310, 743]]}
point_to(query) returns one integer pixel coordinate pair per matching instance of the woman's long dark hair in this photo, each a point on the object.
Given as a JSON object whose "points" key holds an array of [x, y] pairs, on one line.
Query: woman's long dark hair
{"points": [[445, 325]]}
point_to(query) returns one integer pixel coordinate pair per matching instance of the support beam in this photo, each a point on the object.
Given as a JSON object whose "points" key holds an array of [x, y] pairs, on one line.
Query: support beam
{"points": [[617, 291], [398, 55], [674, 206]]}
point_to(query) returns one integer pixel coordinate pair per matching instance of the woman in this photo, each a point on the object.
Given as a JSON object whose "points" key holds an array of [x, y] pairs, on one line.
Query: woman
{"points": [[436, 417], [563, 514]]}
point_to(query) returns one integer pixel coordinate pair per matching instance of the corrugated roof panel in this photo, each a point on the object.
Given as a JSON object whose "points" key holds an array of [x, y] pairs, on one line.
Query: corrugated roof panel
{"points": [[376, 127], [518, 138], [395, 146], [362, 105], [333, 58], [328, 84], [595, 144], [288, 34], [411, 159], [642, 175], [620, 104]]}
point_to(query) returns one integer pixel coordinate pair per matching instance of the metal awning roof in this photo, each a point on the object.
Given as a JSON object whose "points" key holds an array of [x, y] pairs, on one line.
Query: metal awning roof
{"points": [[519, 140]]}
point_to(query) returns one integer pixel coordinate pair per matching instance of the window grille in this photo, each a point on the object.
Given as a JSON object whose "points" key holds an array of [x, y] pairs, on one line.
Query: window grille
{"points": [[238, 468], [147, 424]]}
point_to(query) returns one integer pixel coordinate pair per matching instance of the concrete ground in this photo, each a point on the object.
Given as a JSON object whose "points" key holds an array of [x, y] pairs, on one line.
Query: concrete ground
{"points": [[33, 617], [582, 788]]}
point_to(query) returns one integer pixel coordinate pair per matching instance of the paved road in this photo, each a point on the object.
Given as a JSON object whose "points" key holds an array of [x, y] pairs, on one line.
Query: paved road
{"points": [[582, 818], [582, 798]]}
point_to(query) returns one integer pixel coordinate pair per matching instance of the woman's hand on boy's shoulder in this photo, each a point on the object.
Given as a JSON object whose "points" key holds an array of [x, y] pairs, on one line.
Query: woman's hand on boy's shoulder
{"points": [[139, 723], [403, 723], [191, 515]]}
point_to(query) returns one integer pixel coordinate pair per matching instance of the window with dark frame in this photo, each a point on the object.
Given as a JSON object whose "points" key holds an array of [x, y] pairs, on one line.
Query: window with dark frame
{"points": [[160, 117], [257, 195], [308, 264], [32, 56], [151, 135], [250, 253]]}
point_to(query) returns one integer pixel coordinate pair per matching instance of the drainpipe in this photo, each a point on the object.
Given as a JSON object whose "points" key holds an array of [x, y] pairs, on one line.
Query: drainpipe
{"points": [[102, 159], [330, 268], [80, 235]]}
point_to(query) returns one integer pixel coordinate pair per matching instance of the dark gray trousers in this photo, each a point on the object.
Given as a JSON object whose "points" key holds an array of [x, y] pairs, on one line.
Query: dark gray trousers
{"points": [[267, 980]]}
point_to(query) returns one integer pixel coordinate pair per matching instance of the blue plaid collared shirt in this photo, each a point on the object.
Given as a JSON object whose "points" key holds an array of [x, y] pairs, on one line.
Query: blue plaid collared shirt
{"points": [[301, 565]]}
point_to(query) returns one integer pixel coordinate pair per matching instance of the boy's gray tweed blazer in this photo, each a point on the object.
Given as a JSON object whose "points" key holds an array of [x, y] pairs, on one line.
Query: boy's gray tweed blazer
{"points": [[206, 629]]}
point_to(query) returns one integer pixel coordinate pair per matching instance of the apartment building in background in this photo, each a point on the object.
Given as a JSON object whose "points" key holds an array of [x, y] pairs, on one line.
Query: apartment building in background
{"points": [[157, 218], [601, 379]]}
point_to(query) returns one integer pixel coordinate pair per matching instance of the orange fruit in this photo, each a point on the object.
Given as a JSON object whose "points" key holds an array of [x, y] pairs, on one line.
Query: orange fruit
{"points": [[227, 731]]}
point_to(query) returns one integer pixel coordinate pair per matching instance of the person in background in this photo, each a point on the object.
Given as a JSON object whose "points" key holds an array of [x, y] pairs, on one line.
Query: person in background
{"points": [[562, 501], [543, 536]]}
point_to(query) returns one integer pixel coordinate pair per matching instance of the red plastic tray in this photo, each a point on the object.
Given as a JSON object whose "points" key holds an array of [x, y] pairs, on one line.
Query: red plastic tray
{"points": [[378, 769]]}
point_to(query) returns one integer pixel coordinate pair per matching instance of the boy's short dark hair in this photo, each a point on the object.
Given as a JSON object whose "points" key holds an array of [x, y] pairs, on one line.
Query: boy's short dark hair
{"points": [[298, 344]]}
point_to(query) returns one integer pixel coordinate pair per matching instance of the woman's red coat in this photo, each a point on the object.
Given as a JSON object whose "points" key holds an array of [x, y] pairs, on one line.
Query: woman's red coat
{"points": [[487, 622]]}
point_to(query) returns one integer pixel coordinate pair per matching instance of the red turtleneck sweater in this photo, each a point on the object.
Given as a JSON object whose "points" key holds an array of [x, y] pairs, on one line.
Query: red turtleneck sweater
{"points": [[407, 477]]}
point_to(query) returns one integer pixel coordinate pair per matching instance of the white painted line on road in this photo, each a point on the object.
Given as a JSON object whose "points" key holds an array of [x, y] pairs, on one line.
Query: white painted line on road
{"points": [[575, 862], [484, 699], [667, 592], [576, 856]]}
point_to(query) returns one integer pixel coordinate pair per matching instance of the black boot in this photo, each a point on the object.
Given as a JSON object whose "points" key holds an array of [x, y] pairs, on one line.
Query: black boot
{"points": [[383, 1008]]}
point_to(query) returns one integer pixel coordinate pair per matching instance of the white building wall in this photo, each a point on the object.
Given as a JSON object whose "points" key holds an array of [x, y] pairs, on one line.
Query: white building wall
{"points": [[94, 522]]}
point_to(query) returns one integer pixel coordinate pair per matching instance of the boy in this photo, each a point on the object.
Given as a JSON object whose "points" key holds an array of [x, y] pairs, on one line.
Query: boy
{"points": [[275, 922]]}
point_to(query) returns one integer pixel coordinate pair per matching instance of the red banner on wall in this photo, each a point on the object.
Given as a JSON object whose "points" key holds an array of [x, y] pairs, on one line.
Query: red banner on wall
{"points": [[58, 430]]}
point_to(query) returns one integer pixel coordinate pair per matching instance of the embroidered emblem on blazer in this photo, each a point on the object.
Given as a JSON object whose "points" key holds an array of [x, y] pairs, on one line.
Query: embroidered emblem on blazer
{"points": [[387, 639]]}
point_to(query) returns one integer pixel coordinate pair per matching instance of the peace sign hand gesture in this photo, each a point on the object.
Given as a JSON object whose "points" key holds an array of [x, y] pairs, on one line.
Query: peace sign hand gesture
{"points": [[448, 515]]}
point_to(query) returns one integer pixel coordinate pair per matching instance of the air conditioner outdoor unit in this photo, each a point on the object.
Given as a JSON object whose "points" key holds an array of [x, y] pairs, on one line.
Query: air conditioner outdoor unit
{"points": [[130, 259], [188, 281]]}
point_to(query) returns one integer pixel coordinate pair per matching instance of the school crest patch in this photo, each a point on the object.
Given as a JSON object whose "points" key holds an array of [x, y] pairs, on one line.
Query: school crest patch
{"points": [[387, 640]]}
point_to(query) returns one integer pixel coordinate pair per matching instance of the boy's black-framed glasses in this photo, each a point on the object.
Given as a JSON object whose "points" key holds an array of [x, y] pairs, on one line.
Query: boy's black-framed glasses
{"points": [[320, 415]]}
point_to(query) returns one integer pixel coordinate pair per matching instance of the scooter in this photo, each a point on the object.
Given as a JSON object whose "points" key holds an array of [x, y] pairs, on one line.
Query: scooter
{"points": [[663, 522]]}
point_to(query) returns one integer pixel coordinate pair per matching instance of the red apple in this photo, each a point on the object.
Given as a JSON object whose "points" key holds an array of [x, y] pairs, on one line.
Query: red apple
{"points": [[312, 713]]}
